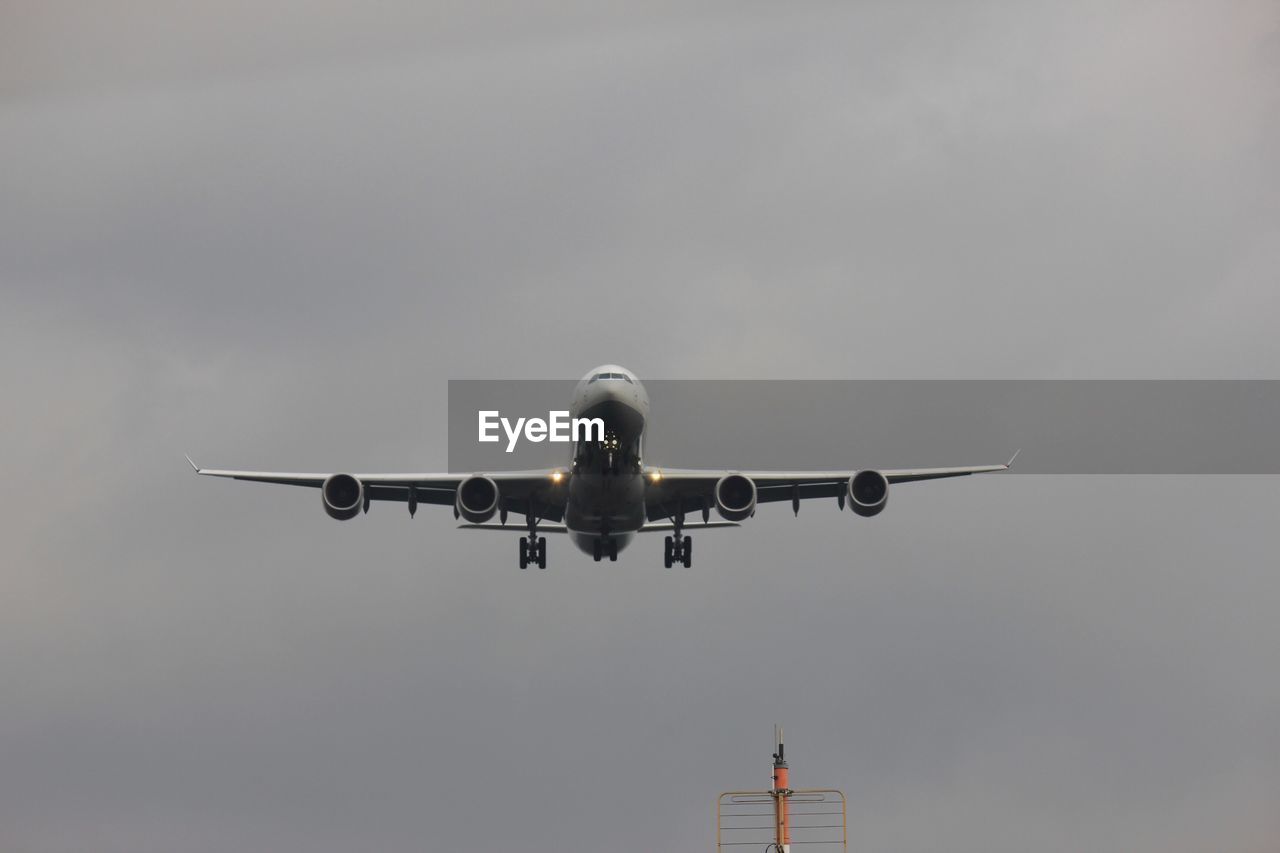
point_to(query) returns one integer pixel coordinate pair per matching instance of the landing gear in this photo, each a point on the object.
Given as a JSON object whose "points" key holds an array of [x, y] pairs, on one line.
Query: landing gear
{"points": [[533, 550], [600, 548], [678, 549]]}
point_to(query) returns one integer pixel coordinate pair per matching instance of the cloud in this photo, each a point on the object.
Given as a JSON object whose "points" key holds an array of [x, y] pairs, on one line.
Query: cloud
{"points": [[268, 235]]}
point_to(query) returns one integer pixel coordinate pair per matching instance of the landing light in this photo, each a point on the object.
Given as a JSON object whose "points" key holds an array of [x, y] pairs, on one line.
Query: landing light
{"points": [[556, 476], [655, 475]]}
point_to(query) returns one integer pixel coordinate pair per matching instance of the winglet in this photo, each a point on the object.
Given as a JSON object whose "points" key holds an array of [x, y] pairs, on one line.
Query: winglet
{"points": [[194, 466], [1009, 464]]}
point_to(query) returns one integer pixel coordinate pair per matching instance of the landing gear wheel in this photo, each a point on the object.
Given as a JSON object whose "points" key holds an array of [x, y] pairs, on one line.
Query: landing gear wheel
{"points": [[687, 557], [667, 552], [524, 554], [542, 552], [597, 550], [613, 550]]}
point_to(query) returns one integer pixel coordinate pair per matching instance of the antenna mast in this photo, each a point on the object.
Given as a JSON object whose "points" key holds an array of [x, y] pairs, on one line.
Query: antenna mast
{"points": [[780, 792], [814, 816]]}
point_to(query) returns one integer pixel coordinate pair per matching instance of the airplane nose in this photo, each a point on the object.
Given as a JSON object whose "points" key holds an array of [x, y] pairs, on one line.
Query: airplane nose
{"points": [[617, 406], [606, 392]]}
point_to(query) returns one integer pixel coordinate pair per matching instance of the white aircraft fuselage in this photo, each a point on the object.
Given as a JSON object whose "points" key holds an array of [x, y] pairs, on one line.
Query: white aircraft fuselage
{"points": [[607, 487]]}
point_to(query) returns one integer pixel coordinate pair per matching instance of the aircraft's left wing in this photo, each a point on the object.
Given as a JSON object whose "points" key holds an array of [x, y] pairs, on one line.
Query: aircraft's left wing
{"points": [[519, 491], [684, 490]]}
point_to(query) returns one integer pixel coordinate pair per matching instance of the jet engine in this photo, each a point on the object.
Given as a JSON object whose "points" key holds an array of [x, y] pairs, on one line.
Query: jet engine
{"points": [[477, 499], [343, 496], [735, 497], [868, 493]]}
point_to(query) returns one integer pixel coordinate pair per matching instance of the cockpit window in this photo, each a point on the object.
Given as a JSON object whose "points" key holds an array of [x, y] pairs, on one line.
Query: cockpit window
{"points": [[621, 376]]}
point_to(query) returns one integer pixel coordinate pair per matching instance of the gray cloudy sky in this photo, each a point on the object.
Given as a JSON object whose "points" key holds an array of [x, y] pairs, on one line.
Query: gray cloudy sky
{"points": [[268, 233]]}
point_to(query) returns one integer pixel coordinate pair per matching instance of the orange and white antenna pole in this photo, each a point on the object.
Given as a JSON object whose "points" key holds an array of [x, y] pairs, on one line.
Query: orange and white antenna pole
{"points": [[820, 815], [781, 791]]}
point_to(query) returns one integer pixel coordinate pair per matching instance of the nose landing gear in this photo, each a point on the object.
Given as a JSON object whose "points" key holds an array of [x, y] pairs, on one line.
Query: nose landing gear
{"points": [[600, 548]]}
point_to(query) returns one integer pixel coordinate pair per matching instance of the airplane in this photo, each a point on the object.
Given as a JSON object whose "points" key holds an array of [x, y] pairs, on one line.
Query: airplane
{"points": [[607, 494]]}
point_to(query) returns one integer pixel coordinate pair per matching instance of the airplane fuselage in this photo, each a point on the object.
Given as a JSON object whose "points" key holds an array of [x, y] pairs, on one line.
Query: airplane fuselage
{"points": [[606, 500]]}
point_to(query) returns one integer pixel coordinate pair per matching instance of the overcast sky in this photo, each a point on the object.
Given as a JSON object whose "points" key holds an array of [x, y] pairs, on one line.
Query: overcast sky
{"points": [[268, 233]]}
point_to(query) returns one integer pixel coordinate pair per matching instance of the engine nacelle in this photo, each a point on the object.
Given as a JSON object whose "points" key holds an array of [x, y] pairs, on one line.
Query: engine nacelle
{"points": [[868, 493], [343, 496], [735, 497], [477, 499]]}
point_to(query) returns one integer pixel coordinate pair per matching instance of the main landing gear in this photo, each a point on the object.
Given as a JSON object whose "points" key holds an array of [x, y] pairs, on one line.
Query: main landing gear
{"points": [[602, 548], [678, 549], [533, 548]]}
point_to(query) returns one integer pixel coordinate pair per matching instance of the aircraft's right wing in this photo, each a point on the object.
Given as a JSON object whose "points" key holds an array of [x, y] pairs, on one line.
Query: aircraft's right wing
{"points": [[519, 491]]}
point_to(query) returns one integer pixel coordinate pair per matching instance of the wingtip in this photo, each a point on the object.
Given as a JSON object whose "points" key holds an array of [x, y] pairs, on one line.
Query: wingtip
{"points": [[194, 466], [1009, 464]]}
